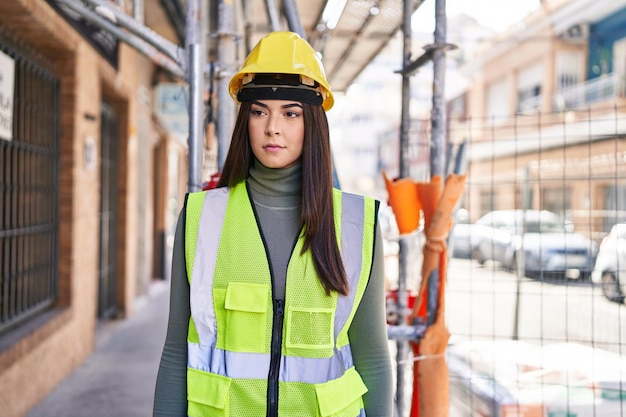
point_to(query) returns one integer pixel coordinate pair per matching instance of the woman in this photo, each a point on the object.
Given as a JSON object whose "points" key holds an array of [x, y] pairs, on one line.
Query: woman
{"points": [[277, 294]]}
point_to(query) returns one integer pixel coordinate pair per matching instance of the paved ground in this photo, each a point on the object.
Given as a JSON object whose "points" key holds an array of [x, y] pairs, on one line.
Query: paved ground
{"points": [[118, 379]]}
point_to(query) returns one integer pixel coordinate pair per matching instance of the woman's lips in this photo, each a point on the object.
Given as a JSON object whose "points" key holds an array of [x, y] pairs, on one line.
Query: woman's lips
{"points": [[272, 147]]}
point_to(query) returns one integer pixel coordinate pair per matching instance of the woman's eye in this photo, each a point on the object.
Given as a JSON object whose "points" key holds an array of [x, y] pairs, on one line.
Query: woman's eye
{"points": [[257, 112], [292, 114]]}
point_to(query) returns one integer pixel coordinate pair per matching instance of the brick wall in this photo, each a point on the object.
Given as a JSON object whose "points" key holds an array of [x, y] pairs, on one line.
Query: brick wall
{"points": [[36, 357]]}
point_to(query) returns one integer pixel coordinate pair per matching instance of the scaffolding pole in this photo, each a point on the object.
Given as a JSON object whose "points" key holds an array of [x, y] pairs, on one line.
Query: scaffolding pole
{"points": [[196, 51], [226, 48], [438, 119], [290, 10], [272, 15], [402, 344], [138, 11], [413, 332], [438, 129]]}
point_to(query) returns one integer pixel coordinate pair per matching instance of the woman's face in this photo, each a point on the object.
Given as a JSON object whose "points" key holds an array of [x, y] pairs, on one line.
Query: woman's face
{"points": [[276, 129]]}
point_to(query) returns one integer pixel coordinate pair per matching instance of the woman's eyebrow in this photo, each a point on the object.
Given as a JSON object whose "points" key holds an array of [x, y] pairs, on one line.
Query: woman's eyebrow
{"points": [[284, 106]]}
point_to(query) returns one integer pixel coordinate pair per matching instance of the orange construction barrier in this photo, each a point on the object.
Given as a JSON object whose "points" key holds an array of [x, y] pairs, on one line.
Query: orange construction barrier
{"points": [[431, 395], [404, 202], [437, 202]]}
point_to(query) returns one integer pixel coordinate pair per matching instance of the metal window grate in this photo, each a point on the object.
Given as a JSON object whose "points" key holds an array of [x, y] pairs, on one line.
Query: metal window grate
{"points": [[109, 191], [29, 190]]}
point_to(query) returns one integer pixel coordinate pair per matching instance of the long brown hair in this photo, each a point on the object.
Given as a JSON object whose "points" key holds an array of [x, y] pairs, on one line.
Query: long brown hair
{"points": [[317, 215]]}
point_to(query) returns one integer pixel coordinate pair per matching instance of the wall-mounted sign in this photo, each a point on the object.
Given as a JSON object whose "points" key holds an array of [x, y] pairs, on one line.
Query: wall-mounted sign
{"points": [[7, 88], [89, 153], [172, 109], [104, 42]]}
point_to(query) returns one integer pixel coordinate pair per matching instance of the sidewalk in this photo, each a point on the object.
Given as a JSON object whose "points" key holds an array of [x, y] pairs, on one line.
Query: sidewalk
{"points": [[118, 379]]}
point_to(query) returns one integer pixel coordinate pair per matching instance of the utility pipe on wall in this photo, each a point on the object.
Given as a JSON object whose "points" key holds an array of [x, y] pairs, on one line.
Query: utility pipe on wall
{"points": [[147, 48], [118, 17]]}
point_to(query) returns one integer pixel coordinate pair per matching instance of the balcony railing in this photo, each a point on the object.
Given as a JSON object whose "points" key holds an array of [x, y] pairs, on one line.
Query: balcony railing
{"points": [[604, 88], [529, 105]]}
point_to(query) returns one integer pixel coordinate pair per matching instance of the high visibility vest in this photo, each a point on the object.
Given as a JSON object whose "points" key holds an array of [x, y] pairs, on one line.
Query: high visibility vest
{"points": [[248, 353]]}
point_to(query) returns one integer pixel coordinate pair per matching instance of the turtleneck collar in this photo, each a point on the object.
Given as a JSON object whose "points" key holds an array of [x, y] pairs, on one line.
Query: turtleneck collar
{"points": [[276, 182]]}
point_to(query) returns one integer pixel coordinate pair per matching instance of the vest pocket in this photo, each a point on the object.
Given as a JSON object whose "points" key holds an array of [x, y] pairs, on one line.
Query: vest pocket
{"points": [[341, 397], [207, 394], [245, 307], [311, 328]]}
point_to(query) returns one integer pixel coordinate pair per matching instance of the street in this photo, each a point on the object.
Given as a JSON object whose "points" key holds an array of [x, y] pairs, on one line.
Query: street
{"points": [[481, 303]]}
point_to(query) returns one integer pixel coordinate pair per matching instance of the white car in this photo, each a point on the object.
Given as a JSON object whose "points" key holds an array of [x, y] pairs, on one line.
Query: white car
{"points": [[610, 268], [551, 247], [462, 240]]}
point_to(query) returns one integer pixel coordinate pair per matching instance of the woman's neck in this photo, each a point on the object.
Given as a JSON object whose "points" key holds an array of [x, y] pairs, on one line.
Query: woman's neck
{"points": [[276, 182]]}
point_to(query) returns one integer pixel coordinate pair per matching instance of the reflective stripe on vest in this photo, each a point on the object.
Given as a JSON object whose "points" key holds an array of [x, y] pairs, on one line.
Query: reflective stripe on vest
{"points": [[207, 211]]}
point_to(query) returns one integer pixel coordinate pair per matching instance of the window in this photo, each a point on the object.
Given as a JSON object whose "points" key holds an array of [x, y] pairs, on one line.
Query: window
{"points": [[619, 63], [487, 200], [569, 69], [29, 191], [529, 82], [569, 73], [614, 204], [497, 101], [556, 200]]}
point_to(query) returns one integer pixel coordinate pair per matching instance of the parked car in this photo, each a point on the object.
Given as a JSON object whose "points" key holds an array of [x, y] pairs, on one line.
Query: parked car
{"points": [[551, 247], [462, 240], [610, 267]]}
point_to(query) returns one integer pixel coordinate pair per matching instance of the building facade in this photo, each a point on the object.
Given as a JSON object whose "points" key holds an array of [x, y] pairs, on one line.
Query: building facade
{"points": [[544, 116], [90, 184]]}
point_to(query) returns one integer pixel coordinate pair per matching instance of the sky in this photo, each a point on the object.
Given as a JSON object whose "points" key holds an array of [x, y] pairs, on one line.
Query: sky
{"points": [[497, 15]]}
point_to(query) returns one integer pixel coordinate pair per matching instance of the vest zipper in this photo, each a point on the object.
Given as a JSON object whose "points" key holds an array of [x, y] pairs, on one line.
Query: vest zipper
{"points": [[277, 342]]}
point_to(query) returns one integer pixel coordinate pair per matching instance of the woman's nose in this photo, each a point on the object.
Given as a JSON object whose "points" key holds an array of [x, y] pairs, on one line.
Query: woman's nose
{"points": [[271, 128]]}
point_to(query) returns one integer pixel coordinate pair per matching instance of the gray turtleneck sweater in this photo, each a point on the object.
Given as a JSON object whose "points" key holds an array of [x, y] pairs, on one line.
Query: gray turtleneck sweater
{"points": [[276, 194]]}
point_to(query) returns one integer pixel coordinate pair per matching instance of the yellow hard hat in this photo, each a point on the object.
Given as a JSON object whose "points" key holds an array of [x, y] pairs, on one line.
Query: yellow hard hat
{"points": [[280, 54]]}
